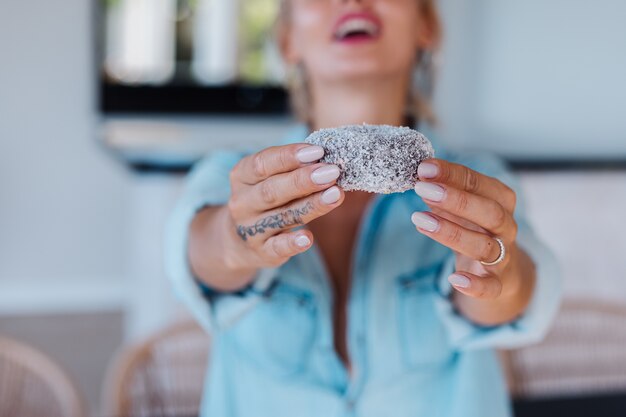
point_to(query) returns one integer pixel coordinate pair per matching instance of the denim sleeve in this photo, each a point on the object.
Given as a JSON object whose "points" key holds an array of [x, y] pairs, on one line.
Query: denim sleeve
{"points": [[534, 323], [207, 185]]}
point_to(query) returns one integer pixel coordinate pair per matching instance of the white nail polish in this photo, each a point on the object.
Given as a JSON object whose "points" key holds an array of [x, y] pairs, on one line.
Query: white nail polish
{"points": [[310, 154], [459, 281], [430, 191], [427, 170], [302, 241], [425, 221], [331, 195], [325, 174]]}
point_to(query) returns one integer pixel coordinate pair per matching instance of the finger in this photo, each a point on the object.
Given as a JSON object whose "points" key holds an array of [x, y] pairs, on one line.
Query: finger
{"points": [[470, 243], [484, 212], [281, 189], [456, 219], [484, 287], [279, 248], [463, 178], [274, 160], [296, 214]]}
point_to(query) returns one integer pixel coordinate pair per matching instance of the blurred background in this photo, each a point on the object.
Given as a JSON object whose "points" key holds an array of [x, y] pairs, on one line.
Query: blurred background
{"points": [[104, 105]]}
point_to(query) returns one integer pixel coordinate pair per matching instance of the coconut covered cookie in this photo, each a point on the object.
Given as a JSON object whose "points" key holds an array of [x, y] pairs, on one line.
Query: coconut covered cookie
{"points": [[374, 158]]}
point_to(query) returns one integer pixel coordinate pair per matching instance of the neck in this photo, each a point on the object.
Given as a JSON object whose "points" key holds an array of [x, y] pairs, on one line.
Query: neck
{"points": [[380, 101]]}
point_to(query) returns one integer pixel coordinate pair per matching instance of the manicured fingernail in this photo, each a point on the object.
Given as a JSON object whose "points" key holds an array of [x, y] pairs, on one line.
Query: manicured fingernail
{"points": [[303, 241], [427, 170], [430, 191], [310, 154], [331, 195], [459, 281], [425, 221], [325, 174]]}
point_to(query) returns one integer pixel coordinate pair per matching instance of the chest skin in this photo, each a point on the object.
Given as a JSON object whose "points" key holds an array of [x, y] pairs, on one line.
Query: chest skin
{"points": [[335, 236]]}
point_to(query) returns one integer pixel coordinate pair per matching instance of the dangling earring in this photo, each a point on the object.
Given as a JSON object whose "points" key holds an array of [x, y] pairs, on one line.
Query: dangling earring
{"points": [[295, 76], [299, 91], [424, 74], [423, 86]]}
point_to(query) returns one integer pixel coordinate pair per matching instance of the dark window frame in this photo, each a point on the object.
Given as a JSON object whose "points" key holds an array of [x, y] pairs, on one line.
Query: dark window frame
{"points": [[171, 98]]}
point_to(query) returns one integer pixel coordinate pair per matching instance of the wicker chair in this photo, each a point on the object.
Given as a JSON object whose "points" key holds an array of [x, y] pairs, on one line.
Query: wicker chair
{"points": [[33, 385], [163, 376], [584, 353]]}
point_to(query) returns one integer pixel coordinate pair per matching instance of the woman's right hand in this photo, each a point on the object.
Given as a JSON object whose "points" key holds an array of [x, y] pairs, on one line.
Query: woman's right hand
{"points": [[273, 192]]}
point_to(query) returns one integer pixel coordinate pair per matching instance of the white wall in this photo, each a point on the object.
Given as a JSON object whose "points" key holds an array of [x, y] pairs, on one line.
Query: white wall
{"points": [[536, 77], [579, 215], [63, 201]]}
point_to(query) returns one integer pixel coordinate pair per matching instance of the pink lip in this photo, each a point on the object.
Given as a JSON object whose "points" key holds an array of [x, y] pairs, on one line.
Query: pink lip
{"points": [[358, 15]]}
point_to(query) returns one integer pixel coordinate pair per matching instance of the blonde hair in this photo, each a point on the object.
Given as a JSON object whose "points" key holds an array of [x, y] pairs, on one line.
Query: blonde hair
{"points": [[419, 97]]}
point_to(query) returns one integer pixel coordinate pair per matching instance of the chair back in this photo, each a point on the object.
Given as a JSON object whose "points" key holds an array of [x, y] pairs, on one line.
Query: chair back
{"points": [[161, 376], [584, 353], [33, 385]]}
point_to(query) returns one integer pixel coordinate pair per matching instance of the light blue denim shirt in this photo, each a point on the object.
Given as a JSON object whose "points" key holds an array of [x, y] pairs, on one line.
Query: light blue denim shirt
{"points": [[412, 354]]}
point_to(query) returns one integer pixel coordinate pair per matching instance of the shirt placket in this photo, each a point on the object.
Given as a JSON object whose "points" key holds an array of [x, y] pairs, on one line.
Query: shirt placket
{"points": [[357, 326]]}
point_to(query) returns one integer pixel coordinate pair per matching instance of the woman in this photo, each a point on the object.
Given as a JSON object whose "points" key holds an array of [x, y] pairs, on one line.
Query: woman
{"points": [[377, 317]]}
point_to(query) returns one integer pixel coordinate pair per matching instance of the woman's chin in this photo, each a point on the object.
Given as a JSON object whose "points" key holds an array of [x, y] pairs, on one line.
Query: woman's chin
{"points": [[360, 72], [358, 66]]}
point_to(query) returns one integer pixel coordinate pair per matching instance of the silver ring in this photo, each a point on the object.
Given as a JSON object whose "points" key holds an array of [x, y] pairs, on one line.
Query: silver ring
{"points": [[500, 257]]}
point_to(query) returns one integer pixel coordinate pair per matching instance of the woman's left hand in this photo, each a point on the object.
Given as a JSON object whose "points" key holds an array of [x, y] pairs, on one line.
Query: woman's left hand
{"points": [[469, 209]]}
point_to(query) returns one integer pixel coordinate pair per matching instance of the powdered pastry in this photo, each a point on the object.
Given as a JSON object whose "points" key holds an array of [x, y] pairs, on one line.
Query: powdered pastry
{"points": [[374, 158]]}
